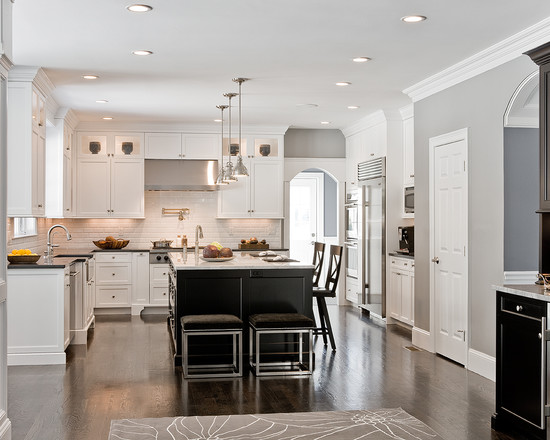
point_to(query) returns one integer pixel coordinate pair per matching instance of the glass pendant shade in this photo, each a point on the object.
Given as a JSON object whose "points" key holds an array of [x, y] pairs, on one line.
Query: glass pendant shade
{"points": [[229, 173]]}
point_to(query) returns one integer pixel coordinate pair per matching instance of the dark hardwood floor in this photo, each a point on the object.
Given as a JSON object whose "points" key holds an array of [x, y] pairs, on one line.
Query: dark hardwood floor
{"points": [[126, 372]]}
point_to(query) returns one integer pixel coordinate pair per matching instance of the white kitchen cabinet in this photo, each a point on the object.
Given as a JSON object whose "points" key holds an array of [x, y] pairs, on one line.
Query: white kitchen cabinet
{"points": [[158, 289], [182, 146], [140, 281], [110, 176], [352, 290], [408, 152], [38, 316], [258, 196], [401, 290], [59, 170], [26, 143], [113, 276]]}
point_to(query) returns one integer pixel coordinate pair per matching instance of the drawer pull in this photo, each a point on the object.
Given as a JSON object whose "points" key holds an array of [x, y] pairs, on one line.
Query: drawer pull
{"points": [[113, 274], [164, 293], [164, 273], [113, 296], [519, 308]]}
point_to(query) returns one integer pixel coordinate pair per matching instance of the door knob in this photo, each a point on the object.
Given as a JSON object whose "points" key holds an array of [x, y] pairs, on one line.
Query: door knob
{"points": [[435, 260]]}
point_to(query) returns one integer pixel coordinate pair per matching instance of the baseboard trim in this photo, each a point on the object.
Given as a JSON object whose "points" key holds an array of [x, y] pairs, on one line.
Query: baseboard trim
{"points": [[112, 311], [520, 277], [5, 430], [422, 339], [482, 364], [36, 358]]}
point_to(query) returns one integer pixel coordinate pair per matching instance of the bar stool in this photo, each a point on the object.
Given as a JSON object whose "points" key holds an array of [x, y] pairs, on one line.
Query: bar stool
{"points": [[280, 324], [212, 325], [318, 257], [329, 291]]}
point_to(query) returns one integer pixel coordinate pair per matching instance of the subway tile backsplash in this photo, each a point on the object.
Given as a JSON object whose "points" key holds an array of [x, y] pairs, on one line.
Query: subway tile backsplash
{"points": [[202, 210]]}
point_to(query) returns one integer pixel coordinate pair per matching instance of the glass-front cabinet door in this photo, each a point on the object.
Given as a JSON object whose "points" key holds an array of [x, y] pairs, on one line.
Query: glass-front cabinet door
{"points": [[128, 145], [92, 144]]}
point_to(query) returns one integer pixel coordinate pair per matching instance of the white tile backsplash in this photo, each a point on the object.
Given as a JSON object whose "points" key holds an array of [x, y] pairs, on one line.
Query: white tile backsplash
{"points": [[155, 226]]}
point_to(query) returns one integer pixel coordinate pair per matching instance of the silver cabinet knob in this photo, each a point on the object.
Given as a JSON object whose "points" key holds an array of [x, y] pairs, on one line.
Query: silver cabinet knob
{"points": [[519, 308], [435, 260]]}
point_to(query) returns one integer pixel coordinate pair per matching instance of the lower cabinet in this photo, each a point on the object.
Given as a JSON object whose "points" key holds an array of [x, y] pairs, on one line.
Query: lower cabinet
{"points": [[113, 275], [401, 290], [38, 315], [352, 290], [158, 288]]}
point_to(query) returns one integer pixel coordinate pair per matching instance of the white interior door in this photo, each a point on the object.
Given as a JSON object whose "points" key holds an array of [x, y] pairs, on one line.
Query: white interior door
{"points": [[450, 237], [304, 216]]}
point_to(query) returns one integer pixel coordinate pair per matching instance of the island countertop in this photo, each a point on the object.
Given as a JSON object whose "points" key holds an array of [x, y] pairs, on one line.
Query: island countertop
{"points": [[533, 291], [238, 262]]}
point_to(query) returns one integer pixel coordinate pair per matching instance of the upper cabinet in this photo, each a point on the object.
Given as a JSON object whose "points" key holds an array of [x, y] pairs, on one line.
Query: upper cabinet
{"points": [[260, 195], [408, 152], [59, 165], [110, 175], [182, 146], [28, 88]]}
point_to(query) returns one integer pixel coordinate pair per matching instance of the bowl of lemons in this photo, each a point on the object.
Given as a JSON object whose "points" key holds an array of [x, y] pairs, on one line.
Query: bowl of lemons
{"points": [[18, 256]]}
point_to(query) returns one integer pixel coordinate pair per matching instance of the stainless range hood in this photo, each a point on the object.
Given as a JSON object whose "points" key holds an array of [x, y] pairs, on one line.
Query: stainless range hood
{"points": [[180, 175]]}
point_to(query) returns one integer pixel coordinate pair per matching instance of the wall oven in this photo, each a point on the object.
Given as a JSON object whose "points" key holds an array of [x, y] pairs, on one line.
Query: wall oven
{"points": [[352, 215]]}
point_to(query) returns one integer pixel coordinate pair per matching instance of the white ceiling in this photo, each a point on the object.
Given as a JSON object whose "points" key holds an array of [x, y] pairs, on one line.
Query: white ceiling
{"points": [[293, 51]]}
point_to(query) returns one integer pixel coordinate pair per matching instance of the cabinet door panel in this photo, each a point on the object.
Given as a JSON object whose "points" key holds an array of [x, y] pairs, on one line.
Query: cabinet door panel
{"points": [[406, 298], [93, 188], [163, 145], [394, 292], [267, 189], [234, 199], [117, 273], [67, 186], [159, 295], [127, 189], [112, 296], [201, 146]]}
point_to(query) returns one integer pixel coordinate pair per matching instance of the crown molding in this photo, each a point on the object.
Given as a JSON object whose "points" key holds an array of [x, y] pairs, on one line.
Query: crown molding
{"points": [[494, 56], [365, 123], [68, 116], [32, 74], [175, 127], [5, 65]]}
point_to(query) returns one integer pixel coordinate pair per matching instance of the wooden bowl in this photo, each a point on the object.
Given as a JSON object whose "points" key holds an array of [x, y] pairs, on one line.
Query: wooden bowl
{"points": [[117, 244], [21, 259]]}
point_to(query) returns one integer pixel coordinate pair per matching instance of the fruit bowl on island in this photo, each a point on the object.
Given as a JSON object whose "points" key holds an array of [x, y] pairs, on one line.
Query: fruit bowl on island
{"points": [[215, 252], [111, 243]]}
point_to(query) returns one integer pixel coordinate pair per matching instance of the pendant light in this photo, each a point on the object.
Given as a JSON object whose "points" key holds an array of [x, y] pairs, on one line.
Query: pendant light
{"points": [[229, 169], [221, 175], [240, 168]]}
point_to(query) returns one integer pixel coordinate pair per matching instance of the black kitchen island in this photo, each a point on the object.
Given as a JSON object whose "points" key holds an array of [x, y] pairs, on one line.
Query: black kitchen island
{"points": [[242, 287]]}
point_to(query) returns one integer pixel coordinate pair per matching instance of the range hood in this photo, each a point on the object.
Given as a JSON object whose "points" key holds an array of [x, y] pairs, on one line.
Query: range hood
{"points": [[180, 175]]}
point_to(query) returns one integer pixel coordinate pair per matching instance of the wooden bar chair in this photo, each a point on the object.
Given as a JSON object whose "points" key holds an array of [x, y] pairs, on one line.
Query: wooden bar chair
{"points": [[328, 291], [318, 257]]}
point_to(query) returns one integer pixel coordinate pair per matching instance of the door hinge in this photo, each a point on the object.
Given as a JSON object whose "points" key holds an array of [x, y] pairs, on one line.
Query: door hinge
{"points": [[463, 334], [547, 335], [546, 410]]}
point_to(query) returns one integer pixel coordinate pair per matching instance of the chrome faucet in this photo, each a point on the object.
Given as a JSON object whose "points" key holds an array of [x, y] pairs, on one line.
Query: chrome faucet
{"points": [[50, 244], [198, 234]]}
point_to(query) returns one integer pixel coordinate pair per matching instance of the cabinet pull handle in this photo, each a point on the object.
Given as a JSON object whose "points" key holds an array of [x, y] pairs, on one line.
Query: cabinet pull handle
{"points": [[164, 293], [519, 308], [40, 206], [412, 175], [405, 264], [113, 274], [113, 296]]}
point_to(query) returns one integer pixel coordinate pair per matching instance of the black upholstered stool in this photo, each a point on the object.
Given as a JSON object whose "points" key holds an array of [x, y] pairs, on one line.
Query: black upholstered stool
{"points": [[281, 324], [211, 325]]}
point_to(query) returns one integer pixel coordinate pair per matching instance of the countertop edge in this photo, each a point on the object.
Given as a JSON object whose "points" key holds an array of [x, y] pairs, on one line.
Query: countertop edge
{"points": [[533, 291]]}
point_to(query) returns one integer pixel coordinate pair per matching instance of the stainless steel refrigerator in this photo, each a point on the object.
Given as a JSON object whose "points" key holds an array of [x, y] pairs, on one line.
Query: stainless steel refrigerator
{"points": [[372, 180]]}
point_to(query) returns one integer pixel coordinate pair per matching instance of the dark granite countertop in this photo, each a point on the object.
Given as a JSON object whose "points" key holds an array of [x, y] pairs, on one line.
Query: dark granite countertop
{"points": [[400, 255], [53, 263]]}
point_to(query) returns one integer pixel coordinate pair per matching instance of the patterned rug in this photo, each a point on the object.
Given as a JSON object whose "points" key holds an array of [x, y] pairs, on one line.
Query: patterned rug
{"points": [[380, 424]]}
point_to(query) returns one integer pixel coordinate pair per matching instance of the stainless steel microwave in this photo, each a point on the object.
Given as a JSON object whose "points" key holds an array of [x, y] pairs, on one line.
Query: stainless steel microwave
{"points": [[408, 200]]}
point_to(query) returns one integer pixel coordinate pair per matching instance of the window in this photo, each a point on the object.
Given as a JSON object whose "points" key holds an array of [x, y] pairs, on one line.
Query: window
{"points": [[24, 227]]}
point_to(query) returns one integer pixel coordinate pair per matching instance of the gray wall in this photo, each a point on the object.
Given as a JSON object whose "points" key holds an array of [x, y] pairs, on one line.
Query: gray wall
{"points": [[521, 199], [479, 104], [314, 143]]}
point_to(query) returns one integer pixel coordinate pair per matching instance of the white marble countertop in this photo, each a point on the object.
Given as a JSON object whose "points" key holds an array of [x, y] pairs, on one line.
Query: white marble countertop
{"points": [[533, 291], [238, 262]]}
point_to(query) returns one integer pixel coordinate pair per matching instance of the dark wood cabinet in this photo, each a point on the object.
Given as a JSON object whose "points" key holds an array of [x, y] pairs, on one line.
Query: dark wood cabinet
{"points": [[521, 365]]}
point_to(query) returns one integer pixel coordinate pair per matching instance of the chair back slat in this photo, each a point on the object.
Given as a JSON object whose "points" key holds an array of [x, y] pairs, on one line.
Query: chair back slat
{"points": [[334, 268], [318, 258]]}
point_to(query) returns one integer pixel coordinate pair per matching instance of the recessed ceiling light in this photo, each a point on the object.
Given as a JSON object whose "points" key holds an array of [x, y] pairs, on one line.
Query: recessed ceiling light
{"points": [[343, 83], [107, 118], [361, 59], [139, 8], [307, 105], [353, 107], [90, 76], [325, 122], [102, 101], [217, 120], [142, 52], [413, 18]]}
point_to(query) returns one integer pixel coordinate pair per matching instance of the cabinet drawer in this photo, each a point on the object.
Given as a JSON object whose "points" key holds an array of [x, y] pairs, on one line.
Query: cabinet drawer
{"points": [[401, 263], [159, 273], [113, 257], [522, 306], [113, 273], [112, 297], [159, 295]]}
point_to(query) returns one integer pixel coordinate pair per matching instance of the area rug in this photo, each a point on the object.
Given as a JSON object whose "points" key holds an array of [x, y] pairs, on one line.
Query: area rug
{"points": [[380, 424]]}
